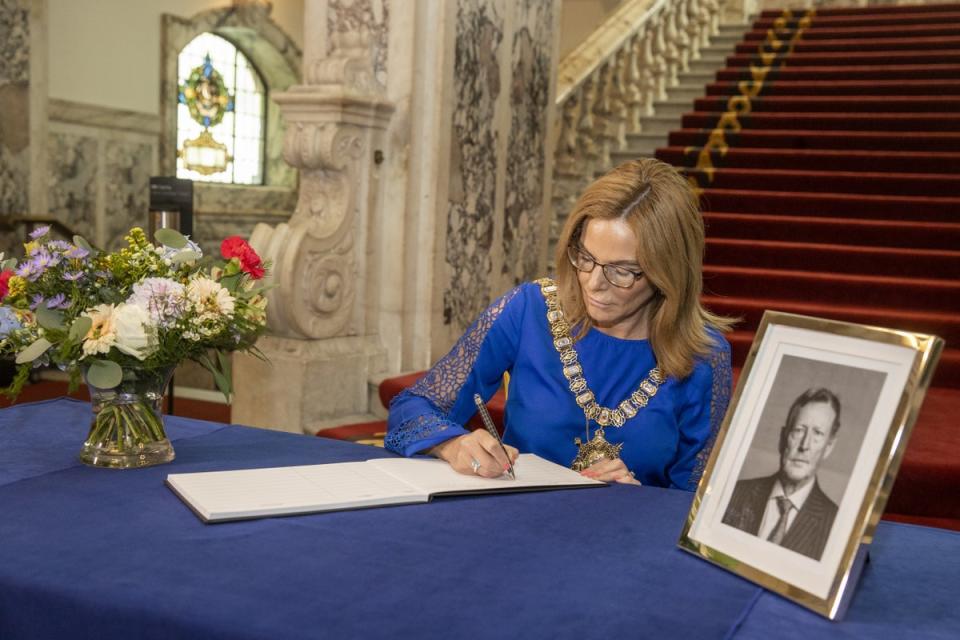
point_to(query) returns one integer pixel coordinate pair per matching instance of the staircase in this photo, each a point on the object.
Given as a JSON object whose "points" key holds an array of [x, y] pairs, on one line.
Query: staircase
{"points": [[827, 155], [680, 99]]}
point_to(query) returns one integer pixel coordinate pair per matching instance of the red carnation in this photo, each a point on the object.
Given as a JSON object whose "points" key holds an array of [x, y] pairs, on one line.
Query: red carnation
{"points": [[237, 247], [4, 287]]}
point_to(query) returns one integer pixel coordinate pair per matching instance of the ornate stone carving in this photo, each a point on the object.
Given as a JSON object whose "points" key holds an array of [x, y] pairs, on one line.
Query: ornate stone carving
{"points": [[368, 19], [318, 267]]}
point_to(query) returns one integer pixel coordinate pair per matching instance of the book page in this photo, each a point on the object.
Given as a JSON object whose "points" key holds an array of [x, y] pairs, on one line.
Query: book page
{"points": [[250, 493], [437, 477]]}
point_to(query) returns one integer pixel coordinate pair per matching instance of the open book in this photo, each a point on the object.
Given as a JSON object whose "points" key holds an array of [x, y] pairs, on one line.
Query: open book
{"points": [[217, 496]]}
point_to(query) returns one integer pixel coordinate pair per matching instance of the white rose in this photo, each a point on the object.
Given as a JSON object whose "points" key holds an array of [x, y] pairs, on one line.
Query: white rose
{"points": [[135, 332]]}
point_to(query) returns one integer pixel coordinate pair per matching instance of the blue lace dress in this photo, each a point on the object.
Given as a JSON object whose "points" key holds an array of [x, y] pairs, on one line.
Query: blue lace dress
{"points": [[665, 444]]}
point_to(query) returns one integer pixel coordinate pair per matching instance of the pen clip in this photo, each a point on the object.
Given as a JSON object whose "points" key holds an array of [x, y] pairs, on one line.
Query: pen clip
{"points": [[488, 423]]}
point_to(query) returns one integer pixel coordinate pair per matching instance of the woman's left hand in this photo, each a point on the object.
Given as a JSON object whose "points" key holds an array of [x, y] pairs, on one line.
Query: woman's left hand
{"points": [[610, 471]]}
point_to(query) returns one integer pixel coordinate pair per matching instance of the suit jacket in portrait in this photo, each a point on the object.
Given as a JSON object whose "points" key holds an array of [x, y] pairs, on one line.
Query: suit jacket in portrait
{"points": [[810, 528]]}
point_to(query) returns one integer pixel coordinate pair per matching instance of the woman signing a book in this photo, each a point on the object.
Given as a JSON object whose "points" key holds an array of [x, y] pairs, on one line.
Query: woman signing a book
{"points": [[615, 368]]}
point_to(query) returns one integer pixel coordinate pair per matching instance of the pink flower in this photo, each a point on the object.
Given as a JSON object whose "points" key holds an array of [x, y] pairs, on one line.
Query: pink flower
{"points": [[237, 247]]}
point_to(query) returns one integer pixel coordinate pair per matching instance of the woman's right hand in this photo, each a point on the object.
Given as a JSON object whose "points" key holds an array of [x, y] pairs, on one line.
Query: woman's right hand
{"points": [[476, 453]]}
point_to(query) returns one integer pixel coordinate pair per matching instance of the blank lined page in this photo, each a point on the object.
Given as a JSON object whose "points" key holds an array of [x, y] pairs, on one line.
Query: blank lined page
{"points": [[227, 495], [436, 476]]}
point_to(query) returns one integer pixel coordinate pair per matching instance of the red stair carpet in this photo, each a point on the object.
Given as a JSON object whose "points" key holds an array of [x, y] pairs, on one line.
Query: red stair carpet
{"points": [[828, 157]]}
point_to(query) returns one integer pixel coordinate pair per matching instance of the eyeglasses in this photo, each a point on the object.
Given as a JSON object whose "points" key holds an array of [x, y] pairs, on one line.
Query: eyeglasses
{"points": [[617, 276]]}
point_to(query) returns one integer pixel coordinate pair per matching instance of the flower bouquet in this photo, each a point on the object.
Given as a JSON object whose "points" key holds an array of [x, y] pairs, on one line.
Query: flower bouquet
{"points": [[123, 321]]}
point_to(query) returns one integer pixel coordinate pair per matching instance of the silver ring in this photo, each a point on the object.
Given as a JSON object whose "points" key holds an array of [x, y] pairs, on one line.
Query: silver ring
{"points": [[475, 465], [633, 475]]}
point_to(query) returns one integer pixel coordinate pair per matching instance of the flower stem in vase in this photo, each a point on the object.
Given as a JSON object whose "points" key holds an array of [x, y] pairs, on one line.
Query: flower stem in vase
{"points": [[127, 429]]}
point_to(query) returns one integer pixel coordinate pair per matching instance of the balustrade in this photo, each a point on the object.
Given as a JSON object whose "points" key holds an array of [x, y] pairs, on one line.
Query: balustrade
{"points": [[602, 100]]}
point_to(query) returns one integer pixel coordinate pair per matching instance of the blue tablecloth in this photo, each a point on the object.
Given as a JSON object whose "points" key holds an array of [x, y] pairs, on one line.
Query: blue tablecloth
{"points": [[93, 553]]}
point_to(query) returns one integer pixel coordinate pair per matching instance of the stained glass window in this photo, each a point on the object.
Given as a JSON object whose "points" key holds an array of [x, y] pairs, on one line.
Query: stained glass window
{"points": [[220, 115]]}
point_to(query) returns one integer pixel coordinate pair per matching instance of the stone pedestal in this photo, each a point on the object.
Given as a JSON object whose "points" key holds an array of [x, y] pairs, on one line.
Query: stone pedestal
{"points": [[304, 383], [324, 343]]}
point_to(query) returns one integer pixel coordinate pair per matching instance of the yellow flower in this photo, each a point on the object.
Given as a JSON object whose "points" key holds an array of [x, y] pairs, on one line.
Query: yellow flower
{"points": [[31, 246], [17, 286]]}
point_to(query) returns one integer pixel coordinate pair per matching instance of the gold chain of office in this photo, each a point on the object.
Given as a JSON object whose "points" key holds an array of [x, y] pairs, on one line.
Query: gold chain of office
{"points": [[573, 372]]}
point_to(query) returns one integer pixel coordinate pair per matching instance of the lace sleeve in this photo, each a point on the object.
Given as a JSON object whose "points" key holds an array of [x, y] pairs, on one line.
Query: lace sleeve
{"points": [[719, 400], [423, 415]]}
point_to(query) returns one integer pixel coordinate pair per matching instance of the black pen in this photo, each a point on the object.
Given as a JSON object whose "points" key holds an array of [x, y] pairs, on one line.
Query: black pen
{"points": [[488, 423]]}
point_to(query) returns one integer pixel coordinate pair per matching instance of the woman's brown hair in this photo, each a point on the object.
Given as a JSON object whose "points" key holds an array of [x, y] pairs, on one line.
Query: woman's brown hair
{"points": [[661, 208]]}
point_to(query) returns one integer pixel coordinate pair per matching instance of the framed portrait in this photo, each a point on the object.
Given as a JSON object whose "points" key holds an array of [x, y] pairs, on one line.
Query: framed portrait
{"points": [[807, 454]]}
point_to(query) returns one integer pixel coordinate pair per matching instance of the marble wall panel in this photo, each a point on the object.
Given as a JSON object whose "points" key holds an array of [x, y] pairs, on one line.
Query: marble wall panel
{"points": [[532, 48], [127, 167], [354, 16], [473, 164], [14, 106], [73, 173], [224, 210]]}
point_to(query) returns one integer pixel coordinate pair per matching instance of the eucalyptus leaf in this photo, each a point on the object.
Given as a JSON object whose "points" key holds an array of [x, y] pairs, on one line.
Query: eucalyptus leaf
{"points": [[170, 238], [9, 263], [104, 374], [80, 328], [34, 351], [81, 242], [50, 318], [185, 256]]}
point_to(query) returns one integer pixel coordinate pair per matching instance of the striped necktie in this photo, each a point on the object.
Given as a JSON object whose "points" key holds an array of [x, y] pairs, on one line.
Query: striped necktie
{"points": [[784, 505]]}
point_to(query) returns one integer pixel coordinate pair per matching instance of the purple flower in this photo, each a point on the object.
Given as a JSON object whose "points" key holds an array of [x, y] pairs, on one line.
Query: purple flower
{"points": [[40, 231], [59, 246], [58, 301], [72, 276], [44, 259], [76, 253], [37, 301], [29, 270]]}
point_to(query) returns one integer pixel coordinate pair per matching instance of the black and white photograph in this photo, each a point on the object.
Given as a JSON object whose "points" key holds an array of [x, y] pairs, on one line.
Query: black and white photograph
{"points": [[800, 459], [812, 440]]}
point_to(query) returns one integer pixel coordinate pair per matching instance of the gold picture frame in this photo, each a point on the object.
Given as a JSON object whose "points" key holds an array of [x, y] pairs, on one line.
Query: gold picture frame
{"points": [[868, 384]]}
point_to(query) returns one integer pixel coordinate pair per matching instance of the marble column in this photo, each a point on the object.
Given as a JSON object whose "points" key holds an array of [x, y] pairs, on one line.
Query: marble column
{"points": [[23, 100], [322, 348]]}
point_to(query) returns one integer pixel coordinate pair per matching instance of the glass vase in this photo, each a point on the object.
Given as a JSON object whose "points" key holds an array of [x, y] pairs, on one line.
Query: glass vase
{"points": [[127, 428]]}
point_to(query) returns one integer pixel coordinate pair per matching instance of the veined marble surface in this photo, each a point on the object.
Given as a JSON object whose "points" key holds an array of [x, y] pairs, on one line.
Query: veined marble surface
{"points": [[470, 221], [73, 177], [14, 105], [532, 49]]}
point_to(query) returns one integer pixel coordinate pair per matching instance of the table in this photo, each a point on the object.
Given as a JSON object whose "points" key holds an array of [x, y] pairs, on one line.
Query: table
{"points": [[96, 553]]}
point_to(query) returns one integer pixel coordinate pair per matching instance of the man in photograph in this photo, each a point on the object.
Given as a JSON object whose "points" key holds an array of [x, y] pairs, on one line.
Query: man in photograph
{"points": [[789, 508]]}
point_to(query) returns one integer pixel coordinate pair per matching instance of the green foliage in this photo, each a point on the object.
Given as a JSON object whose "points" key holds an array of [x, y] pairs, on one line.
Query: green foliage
{"points": [[144, 306]]}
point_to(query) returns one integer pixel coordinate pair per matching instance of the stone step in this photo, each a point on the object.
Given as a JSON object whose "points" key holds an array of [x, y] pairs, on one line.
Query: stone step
{"points": [[708, 63], [660, 124], [685, 93], [697, 78], [644, 144], [672, 108]]}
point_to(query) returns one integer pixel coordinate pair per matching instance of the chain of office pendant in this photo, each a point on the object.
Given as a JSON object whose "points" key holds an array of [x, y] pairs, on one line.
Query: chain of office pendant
{"points": [[573, 372]]}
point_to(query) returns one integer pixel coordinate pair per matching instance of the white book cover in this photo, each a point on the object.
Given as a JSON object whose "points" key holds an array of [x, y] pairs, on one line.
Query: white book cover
{"points": [[217, 496]]}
